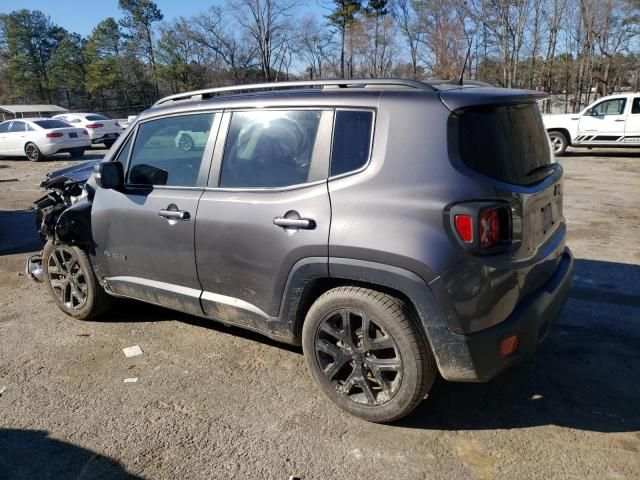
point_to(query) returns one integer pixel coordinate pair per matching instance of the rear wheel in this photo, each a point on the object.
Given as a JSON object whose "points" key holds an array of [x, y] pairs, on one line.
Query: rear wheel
{"points": [[70, 280], [559, 142], [32, 152], [367, 353], [76, 152], [109, 143]]}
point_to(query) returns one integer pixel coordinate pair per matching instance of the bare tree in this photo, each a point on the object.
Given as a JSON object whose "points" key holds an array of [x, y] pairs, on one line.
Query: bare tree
{"points": [[266, 22], [409, 28], [214, 33]]}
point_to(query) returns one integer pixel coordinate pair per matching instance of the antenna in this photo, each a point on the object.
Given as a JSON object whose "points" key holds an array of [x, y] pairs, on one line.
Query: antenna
{"points": [[464, 66]]}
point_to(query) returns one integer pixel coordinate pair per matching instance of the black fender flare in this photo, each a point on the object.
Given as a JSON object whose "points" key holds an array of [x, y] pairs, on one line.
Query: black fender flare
{"points": [[74, 225], [450, 350]]}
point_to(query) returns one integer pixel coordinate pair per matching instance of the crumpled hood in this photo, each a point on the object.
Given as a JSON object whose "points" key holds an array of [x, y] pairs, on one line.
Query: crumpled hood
{"points": [[78, 173]]}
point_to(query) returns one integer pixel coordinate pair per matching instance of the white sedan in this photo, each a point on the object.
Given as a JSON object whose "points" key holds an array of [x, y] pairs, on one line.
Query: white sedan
{"points": [[101, 129], [36, 138]]}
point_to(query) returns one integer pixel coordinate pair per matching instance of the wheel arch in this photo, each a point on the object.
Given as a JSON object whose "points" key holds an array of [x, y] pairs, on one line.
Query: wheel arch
{"points": [[564, 131], [308, 280]]}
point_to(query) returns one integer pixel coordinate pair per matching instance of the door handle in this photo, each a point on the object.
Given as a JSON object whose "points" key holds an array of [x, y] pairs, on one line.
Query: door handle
{"points": [[621, 120], [304, 223], [175, 214]]}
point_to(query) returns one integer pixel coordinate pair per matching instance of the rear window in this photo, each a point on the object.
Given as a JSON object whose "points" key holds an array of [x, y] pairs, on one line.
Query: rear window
{"points": [[96, 117], [508, 144], [351, 141], [49, 124]]}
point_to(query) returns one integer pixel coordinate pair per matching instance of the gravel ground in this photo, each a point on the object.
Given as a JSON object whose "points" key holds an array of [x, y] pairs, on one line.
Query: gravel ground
{"points": [[216, 402]]}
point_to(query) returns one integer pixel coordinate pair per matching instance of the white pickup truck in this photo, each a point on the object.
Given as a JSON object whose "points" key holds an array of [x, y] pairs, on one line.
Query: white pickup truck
{"points": [[612, 121]]}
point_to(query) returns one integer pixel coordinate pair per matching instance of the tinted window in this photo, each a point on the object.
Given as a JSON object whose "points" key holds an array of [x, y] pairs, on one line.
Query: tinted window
{"points": [[4, 127], [49, 124], [506, 143], [18, 127], [609, 107], [269, 148], [351, 140], [169, 151], [635, 106], [96, 117], [123, 154]]}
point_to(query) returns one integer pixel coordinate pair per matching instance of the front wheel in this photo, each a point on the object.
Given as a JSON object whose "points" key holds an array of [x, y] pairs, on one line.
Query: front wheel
{"points": [[70, 280], [559, 142], [32, 152], [368, 354]]}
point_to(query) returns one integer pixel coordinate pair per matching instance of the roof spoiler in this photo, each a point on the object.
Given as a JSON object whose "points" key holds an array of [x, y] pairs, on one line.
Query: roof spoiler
{"points": [[456, 99]]}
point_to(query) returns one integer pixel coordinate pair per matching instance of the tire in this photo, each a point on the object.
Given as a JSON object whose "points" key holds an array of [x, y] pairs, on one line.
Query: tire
{"points": [[394, 363], [186, 143], [33, 153], [76, 152], [109, 143], [71, 282], [559, 142]]}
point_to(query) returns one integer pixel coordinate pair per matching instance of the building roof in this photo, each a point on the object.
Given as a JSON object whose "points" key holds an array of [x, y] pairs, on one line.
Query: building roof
{"points": [[18, 109]]}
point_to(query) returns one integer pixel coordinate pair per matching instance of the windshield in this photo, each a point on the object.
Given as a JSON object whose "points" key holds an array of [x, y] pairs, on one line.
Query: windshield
{"points": [[508, 143]]}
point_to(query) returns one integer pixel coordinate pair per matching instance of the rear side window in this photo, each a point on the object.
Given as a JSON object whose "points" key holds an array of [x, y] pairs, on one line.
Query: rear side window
{"points": [[351, 141], [49, 124], [635, 106], [18, 127], [269, 148], [509, 144], [169, 151], [96, 117]]}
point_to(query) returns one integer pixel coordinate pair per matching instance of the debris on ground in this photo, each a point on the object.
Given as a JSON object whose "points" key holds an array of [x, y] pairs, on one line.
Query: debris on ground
{"points": [[131, 380], [2, 389], [132, 351]]}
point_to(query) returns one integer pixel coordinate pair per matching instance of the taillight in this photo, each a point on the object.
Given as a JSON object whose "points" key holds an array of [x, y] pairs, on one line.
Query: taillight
{"points": [[464, 227], [94, 125], [489, 228], [482, 227], [55, 135]]}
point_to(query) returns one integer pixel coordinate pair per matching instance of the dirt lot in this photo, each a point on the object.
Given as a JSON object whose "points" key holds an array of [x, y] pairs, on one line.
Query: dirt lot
{"points": [[213, 402]]}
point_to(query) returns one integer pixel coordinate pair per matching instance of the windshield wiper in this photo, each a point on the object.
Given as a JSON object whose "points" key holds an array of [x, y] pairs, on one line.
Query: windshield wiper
{"points": [[543, 168]]}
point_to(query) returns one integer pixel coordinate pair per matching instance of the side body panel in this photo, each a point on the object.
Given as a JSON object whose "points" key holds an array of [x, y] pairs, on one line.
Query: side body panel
{"points": [[143, 255]]}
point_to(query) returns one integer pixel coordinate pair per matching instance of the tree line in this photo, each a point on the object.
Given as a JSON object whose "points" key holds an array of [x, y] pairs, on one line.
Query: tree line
{"points": [[578, 49]]}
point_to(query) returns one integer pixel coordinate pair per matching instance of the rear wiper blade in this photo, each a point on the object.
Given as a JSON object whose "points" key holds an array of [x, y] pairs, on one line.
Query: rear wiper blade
{"points": [[543, 168]]}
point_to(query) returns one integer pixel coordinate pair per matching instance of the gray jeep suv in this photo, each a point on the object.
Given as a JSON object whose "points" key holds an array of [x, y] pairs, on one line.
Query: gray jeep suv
{"points": [[394, 229]]}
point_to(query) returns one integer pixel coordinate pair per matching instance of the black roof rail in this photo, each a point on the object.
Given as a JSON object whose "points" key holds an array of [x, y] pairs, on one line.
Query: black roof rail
{"points": [[345, 83]]}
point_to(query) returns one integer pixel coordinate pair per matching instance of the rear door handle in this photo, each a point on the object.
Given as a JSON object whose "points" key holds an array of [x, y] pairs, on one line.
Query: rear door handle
{"points": [[304, 223], [621, 120], [175, 214]]}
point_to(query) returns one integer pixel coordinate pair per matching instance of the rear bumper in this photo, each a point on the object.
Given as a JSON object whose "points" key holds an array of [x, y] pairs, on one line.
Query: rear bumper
{"points": [[52, 148], [113, 136], [476, 358]]}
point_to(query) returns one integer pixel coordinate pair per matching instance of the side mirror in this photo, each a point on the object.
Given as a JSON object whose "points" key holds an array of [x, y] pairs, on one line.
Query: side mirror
{"points": [[110, 175]]}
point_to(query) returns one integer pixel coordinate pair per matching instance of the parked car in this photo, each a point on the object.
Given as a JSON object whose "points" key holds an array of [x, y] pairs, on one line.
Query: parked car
{"points": [[101, 129], [35, 138], [188, 139], [612, 121], [394, 229]]}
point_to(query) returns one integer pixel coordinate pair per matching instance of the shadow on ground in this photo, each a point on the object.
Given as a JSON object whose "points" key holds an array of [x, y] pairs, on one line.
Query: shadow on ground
{"points": [[18, 233], [32, 454], [584, 376]]}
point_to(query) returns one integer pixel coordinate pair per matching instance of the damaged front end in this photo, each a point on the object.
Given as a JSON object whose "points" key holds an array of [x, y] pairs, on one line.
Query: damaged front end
{"points": [[64, 213]]}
